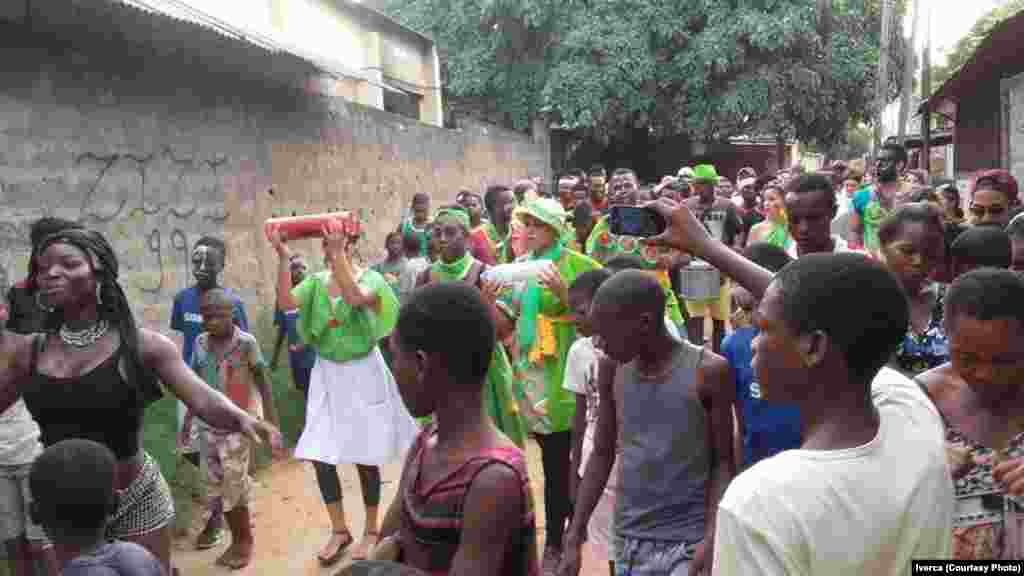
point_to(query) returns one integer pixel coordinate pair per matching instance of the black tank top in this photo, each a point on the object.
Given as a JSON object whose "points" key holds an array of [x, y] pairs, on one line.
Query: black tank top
{"points": [[98, 405]]}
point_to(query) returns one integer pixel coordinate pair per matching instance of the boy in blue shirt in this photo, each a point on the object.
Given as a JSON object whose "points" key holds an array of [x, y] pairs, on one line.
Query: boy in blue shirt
{"points": [[765, 428]]}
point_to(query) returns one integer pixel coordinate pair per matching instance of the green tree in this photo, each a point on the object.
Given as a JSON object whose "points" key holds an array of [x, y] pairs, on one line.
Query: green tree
{"points": [[965, 47], [708, 69]]}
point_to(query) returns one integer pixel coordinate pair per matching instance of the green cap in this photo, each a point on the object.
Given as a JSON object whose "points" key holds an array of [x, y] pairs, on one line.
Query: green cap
{"points": [[547, 210], [705, 173]]}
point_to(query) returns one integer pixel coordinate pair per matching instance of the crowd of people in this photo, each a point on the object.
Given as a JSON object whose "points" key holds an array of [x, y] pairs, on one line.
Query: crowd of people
{"points": [[863, 371]]}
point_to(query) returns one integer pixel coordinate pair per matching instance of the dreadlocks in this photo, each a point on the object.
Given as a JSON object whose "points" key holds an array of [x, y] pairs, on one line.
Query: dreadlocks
{"points": [[113, 304]]}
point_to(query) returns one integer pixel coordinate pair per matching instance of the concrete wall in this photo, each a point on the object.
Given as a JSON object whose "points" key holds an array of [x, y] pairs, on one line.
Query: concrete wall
{"points": [[155, 148]]}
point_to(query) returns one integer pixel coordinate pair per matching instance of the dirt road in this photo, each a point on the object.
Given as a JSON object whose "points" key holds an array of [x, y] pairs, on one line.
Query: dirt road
{"points": [[291, 524]]}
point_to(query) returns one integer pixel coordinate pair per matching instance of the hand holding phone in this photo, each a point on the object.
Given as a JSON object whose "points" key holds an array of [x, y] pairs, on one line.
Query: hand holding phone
{"points": [[635, 221]]}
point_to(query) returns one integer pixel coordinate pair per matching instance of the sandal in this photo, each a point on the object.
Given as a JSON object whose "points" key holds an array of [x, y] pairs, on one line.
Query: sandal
{"points": [[333, 558], [210, 538], [376, 540]]}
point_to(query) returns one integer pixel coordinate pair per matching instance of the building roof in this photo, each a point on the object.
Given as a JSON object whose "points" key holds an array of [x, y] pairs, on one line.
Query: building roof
{"points": [[182, 10], [997, 57]]}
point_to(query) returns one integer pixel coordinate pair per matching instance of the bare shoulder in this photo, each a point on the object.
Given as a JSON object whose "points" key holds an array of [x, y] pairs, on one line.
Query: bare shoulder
{"points": [[716, 375], [155, 345], [940, 383], [496, 488]]}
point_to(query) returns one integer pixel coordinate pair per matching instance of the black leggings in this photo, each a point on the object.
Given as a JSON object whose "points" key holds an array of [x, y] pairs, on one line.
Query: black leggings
{"points": [[330, 486], [555, 450]]}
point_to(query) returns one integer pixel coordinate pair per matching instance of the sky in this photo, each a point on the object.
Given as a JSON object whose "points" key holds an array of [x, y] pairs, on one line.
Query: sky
{"points": [[951, 20]]}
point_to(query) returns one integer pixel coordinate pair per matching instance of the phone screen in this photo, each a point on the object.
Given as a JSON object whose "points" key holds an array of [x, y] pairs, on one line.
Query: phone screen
{"points": [[635, 221]]}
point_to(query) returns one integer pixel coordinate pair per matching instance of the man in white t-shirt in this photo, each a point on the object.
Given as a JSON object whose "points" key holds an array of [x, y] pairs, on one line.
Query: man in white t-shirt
{"points": [[869, 489], [810, 207]]}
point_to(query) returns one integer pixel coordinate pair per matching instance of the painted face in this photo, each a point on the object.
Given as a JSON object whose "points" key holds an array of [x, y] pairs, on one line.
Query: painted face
{"points": [[410, 371], [623, 189], [65, 276], [990, 207], [988, 355], [778, 365], [1018, 254], [538, 235], [207, 264], [810, 220], [579, 306], [914, 254], [451, 240], [217, 318]]}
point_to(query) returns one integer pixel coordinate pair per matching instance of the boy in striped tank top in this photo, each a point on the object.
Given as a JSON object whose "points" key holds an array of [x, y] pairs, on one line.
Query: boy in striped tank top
{"points": [[464, 504]]}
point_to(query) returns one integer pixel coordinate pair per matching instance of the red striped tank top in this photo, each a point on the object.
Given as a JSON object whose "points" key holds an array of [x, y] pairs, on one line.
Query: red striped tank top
{"points": [[432, 514]]}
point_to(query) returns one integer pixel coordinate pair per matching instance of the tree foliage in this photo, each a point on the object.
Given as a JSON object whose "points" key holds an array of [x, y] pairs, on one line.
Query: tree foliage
{"points": [[965, 47], [709, 69]]}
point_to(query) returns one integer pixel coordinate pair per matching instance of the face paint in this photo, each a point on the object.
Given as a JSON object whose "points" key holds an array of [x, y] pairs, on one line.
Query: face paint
{"points": [[207, 265]]}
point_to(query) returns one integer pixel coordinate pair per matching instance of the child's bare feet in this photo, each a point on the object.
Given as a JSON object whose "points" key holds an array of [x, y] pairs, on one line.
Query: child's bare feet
{"points": [[365, 546], [236, 557]]}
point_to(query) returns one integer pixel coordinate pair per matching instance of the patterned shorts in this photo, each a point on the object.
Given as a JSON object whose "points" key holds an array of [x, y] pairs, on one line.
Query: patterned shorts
{"points": [[636, 557], [227, 469], [145, 506], [15, 497]]}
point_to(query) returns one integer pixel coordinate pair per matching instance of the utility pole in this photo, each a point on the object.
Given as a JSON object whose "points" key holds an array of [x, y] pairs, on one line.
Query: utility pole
{"points": [[926, 92], [908, 75], [883, 70]]}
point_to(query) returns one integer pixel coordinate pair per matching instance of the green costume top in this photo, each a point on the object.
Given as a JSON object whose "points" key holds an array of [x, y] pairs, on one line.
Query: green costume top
{"points": [[779, 235], [602, 245], [546, 332], [339, 332], [499, 398]]}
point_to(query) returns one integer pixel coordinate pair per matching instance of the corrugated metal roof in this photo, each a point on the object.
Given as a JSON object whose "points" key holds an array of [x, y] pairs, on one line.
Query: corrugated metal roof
{"points": [[181, 10]]}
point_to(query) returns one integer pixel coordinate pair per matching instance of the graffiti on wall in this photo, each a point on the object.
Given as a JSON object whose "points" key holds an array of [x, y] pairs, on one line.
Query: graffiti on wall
{"points": [[153, 207]]}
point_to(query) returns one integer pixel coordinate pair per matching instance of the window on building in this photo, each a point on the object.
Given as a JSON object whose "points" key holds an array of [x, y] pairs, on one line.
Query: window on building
{"points": [[402, 103]]}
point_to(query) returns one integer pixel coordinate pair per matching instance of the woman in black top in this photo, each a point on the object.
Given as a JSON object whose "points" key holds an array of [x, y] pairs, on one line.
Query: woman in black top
{"points": [[93, 373]]}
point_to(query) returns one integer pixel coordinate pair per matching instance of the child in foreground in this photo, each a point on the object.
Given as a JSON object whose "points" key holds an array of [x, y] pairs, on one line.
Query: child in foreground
{"points": [[229, 360], [464, 504], [73, 485], [581, 370]]}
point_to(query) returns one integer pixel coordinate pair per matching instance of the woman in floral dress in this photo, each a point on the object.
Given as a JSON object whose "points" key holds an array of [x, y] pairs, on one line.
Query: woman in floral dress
{"points": [[979, 395]]}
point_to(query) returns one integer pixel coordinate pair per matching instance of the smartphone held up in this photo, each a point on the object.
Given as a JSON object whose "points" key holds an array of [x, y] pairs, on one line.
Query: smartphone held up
{"points": [[635, 221]]}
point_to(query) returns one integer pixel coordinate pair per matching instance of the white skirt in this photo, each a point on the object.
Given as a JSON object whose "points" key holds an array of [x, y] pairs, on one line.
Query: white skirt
{"points": [[354, 414]]}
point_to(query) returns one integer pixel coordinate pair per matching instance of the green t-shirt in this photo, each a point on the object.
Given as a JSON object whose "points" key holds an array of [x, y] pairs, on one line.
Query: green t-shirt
{"points": [[543, 379], [338, 331]]}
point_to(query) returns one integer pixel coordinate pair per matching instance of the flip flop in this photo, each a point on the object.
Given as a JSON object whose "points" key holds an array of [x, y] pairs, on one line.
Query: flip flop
{"points": [[333, 558]]}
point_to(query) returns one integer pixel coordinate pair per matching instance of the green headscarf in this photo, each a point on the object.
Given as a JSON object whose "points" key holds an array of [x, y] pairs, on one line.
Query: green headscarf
{"points": [[454, 270]]}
